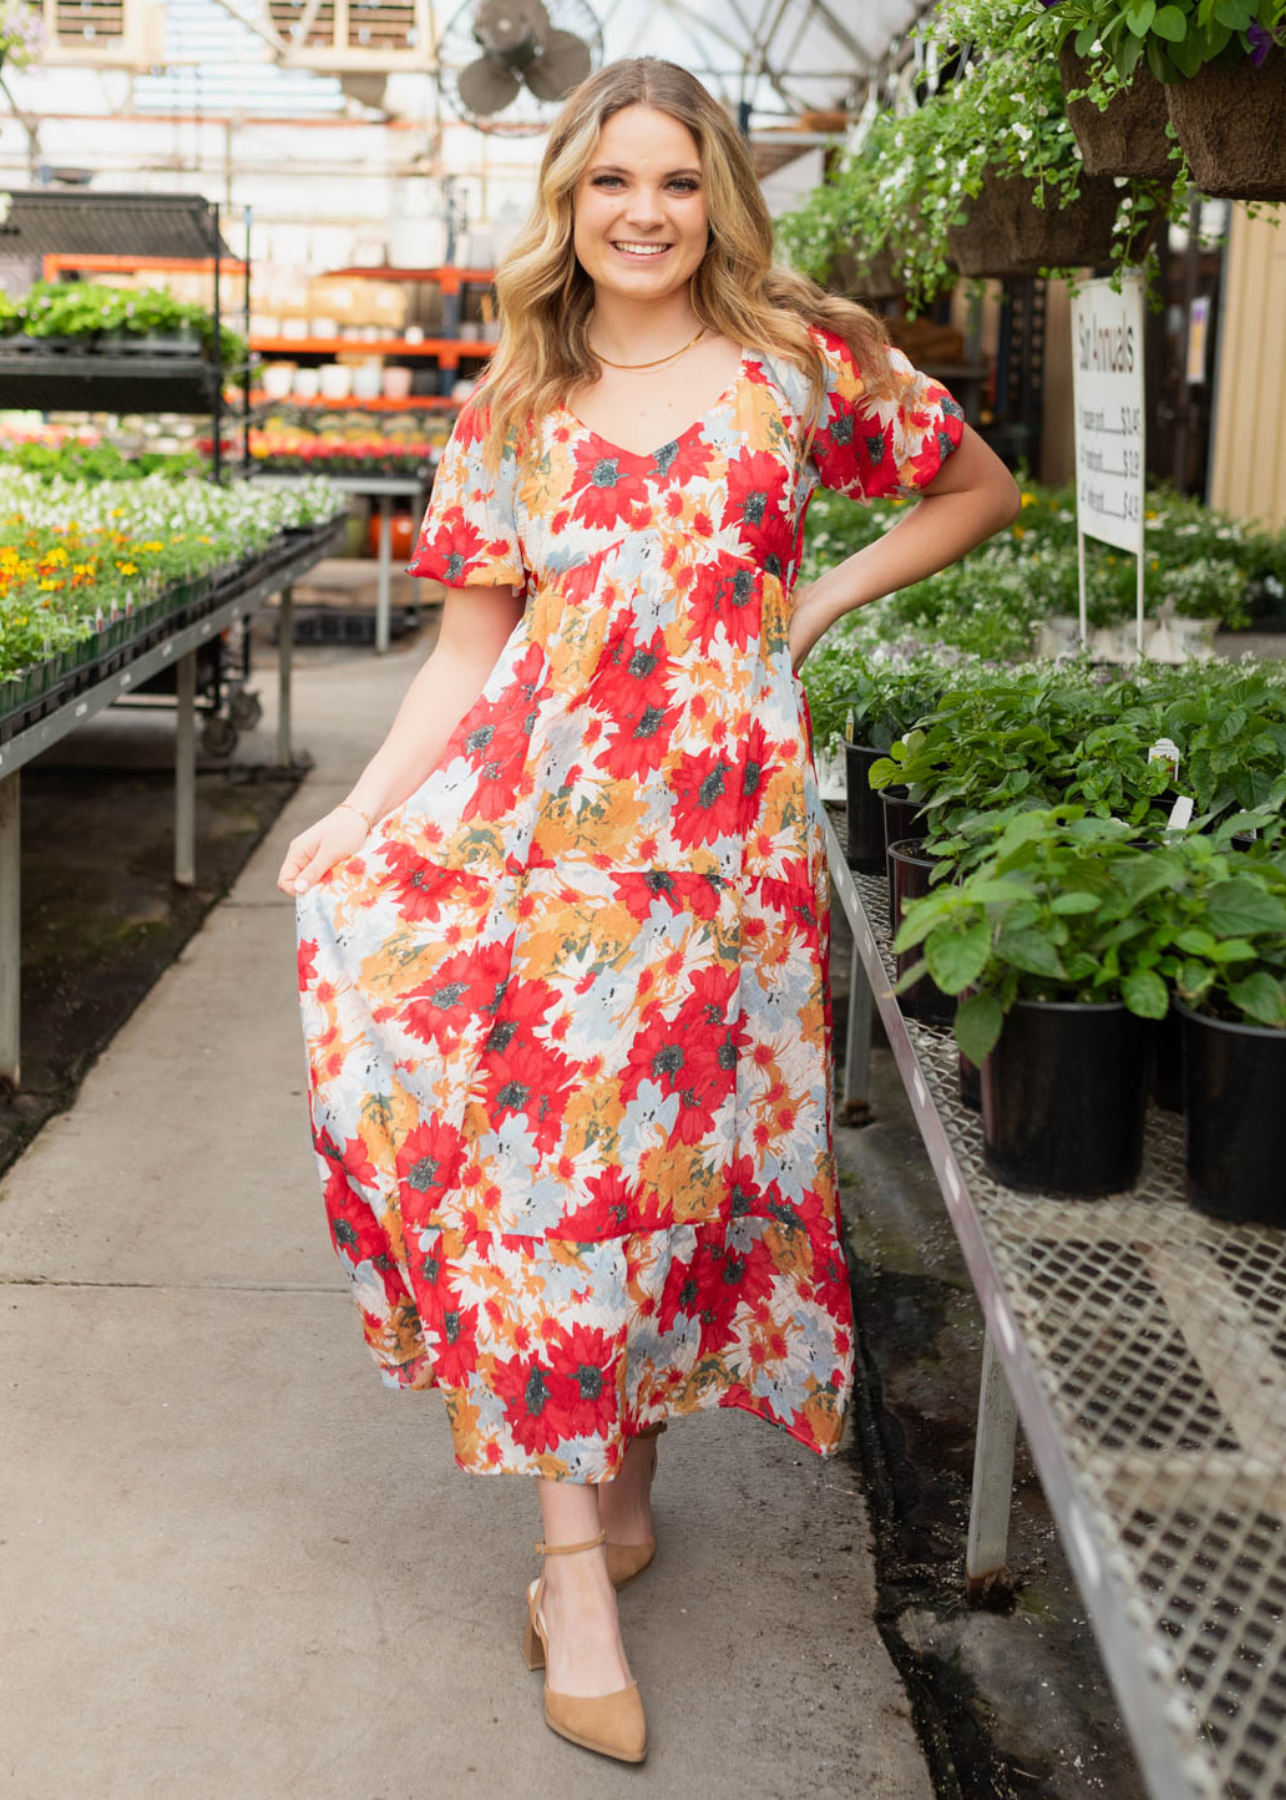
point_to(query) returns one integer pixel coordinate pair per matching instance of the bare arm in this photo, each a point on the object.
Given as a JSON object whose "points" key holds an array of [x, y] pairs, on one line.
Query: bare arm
{"points": [[972, 496], [476, 623]]}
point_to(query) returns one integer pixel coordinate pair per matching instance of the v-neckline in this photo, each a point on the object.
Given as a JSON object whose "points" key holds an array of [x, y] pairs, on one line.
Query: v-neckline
{"points": [[651, 455]]}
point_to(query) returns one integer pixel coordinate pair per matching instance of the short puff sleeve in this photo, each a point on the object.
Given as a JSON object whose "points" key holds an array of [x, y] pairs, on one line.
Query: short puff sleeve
{"points": [[469, 534], [871, 447]]}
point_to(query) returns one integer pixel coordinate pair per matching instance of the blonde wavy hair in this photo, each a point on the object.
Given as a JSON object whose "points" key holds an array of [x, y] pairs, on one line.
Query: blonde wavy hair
{"points": [[545, 296]]}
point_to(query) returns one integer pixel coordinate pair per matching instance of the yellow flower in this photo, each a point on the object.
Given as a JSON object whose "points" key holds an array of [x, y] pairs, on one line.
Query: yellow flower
{"points": [[1150, 514], [57, 555], [154, 546], [1020, 531], [127, 568], [49, 586], [1029, 500], [85, 568], [117, 512], [180, 537]]}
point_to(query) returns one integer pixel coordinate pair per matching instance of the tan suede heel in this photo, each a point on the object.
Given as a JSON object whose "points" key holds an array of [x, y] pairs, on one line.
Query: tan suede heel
{"points": [[625, 1561], [612, 1724]]}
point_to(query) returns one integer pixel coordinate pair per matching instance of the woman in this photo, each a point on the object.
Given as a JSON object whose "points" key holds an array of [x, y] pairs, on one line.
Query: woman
{"points": [[562, 950]]}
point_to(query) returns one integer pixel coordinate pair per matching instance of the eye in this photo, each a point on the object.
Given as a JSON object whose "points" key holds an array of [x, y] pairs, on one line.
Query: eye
{"points": [[685, 184], [602, 180]]}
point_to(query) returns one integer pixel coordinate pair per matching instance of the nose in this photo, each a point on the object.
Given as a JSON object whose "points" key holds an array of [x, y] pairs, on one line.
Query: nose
{"points": [[644, 209]]}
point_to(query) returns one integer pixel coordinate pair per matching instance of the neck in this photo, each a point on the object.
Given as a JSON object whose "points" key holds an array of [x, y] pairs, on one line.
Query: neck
{"points": [[634, 330]]}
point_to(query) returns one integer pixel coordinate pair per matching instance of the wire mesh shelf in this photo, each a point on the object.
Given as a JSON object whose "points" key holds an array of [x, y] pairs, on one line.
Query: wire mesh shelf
{"points": [[1145, 1345]]}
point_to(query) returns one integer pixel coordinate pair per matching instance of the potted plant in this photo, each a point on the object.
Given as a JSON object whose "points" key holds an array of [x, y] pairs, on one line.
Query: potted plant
{"points": [[1228, 969], [884, 698], [1058, 934]]}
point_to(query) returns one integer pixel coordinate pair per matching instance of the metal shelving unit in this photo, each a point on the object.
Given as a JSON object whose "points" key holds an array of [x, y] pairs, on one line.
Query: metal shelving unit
{"points": [[118, 233], [1143, 1346]]}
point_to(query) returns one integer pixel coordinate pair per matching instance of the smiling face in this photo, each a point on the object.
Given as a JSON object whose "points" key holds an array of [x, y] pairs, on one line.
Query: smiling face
{"points": [[639, 216]]}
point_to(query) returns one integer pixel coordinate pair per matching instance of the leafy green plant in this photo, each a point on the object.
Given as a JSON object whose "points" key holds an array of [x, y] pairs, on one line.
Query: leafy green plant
{"points": [[1064, 907], [1174, 39]]}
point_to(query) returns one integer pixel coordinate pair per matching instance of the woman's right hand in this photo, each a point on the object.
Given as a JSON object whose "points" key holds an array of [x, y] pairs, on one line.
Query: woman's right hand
{"points": [[341, 833]]}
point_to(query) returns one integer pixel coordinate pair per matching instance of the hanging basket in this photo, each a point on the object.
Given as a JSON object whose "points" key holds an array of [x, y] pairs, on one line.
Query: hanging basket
{"points": [[1009, 235], [983, 245], [1128, 137], [1232, 124]]}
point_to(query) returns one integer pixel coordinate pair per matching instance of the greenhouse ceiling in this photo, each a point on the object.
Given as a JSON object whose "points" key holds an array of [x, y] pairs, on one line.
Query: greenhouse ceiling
{"points": [[307, 58]]}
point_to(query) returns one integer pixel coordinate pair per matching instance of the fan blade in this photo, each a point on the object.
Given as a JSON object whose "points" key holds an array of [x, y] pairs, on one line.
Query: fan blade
{"points": [[513, 31], [563, 65], [485, 87]]}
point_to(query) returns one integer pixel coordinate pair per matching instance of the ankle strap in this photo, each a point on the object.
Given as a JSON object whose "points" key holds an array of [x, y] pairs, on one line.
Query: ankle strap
{"points": [[570, 1549]]}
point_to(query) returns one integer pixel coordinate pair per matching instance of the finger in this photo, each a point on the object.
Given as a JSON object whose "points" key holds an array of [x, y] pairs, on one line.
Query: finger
{"points": [[313, 871]]}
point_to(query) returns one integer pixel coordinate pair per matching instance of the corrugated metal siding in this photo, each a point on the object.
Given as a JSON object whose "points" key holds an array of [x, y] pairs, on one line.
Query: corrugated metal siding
{"points": [[1248, 477]]}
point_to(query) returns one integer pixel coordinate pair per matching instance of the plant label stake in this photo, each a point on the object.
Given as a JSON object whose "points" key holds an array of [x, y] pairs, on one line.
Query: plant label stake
{"points": [[1107, 395]]}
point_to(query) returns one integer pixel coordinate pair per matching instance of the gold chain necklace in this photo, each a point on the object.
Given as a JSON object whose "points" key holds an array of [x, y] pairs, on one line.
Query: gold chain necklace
{"points": [[668, 357]]}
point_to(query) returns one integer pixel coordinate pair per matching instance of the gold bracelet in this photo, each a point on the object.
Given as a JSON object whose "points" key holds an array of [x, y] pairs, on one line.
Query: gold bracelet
{"points": [[370, 823]]}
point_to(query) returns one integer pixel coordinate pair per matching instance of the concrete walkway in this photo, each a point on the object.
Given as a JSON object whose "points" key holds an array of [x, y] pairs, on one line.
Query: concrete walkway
{"points": [[234, 1567]]}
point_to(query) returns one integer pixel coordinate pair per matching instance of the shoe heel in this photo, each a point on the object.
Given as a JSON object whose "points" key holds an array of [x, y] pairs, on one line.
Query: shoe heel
{"points": [[533, 1651]]}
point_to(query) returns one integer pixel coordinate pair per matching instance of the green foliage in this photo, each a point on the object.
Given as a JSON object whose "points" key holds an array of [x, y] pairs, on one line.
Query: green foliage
{"points": [[97, 462], [1067, 906], [72, 309], [1174, 39]]}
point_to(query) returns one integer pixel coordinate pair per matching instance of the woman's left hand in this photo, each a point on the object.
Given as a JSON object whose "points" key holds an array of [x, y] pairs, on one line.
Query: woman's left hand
{"points": [[808, 622]]}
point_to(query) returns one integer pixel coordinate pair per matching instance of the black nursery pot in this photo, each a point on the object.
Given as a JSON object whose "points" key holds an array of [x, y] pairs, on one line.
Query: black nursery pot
{"points": [[1063, 1096], [1167, 1062], [902, 819], [865, 810], [970, 1084], [911, 873], [1234, 1080]]}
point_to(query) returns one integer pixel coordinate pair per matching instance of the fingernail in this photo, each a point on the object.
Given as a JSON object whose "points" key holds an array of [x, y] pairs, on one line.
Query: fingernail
{"points": [[300, 884]]}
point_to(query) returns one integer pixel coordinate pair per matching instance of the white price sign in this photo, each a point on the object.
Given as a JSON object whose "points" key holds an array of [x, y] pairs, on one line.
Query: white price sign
{"points": [[1107, 362]]}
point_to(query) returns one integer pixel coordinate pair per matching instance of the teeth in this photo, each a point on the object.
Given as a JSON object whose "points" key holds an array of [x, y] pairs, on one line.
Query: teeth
{"points": [[639, 249]]}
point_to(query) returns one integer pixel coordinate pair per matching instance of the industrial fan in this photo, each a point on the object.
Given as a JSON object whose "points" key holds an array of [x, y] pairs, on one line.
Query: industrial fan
{"points": [[533, 52]]}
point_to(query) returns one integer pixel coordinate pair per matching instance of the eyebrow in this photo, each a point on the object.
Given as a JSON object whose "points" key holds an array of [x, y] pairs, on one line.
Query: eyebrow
{"points": [[616, 169]]}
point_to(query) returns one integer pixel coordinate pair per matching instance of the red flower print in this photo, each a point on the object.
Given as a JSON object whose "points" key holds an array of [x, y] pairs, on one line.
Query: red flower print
{"points": [[697, 1065], [713, 1286], [453, 547], [640, 892], [608, 482], [305, 963], [617, 1208], [758, 765], [686, 458], [707, 797], [428, 1164], [526, 1077], [440, 1009], [726, 593], [354, 1228], [583, 1362], [755, 506], [421, 888], [536, 1413]]}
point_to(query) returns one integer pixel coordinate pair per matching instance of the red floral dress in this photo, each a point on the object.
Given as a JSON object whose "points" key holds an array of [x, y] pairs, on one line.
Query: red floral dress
{"points": [[566, 1012]]}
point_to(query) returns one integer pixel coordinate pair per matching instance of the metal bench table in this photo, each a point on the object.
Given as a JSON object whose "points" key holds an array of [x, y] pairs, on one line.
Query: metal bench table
{"points": [[179, 649], [1143, 1346]]}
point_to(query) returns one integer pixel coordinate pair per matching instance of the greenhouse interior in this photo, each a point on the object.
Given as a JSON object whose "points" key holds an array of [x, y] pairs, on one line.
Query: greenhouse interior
{"points": [[789, 924]]}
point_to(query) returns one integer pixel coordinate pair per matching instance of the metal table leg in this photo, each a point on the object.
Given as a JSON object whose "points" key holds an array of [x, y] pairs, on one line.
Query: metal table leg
{"points": [[993, 1475], [857, 1041], [10, 930], [185, 772], [383, 590], [285, 645]]}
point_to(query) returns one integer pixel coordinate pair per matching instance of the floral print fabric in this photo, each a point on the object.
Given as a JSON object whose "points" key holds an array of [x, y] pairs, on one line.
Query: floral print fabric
{"points": [[566, 1013]]}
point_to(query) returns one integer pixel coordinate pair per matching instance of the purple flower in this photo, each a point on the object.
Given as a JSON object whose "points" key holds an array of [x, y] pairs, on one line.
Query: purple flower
{"points": [[1261, 42]]}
